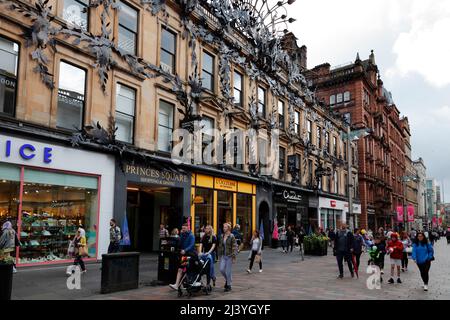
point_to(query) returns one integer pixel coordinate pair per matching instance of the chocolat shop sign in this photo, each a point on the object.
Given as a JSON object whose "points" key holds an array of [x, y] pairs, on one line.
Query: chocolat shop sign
{"points": [[156, 176], [290, 196]]}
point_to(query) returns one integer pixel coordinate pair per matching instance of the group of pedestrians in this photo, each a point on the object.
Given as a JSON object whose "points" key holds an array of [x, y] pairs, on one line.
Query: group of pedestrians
{"points": [[224, 248], [348, 246], [290, 238]]}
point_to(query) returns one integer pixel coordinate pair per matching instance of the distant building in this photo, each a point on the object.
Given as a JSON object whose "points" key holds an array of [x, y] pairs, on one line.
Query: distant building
{"points": [[421, 171], [356, 92]]}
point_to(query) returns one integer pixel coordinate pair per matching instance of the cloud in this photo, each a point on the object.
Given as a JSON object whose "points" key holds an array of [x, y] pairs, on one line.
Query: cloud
{"points": [[424, 48]]}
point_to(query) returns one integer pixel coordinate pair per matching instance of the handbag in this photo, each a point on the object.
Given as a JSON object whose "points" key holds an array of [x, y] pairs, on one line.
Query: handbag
{"points": [[409, 250], [258, 258], [432, 258]]}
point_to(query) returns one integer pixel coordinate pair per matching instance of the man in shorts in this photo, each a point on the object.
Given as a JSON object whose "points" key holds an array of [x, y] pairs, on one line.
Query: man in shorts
{"points": [[395, 250]]}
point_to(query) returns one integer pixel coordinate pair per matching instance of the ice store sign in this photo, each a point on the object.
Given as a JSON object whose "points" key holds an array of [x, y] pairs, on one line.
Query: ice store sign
{"points": [[10, 148]]}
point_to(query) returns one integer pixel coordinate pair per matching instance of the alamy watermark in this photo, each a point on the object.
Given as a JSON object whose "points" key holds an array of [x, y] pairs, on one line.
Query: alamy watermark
{"points": [[374, 280], [230, 147], [74, 280]]}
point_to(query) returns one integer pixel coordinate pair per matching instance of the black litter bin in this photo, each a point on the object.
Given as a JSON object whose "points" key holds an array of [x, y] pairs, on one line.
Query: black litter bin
{"points": [[168, 260]]}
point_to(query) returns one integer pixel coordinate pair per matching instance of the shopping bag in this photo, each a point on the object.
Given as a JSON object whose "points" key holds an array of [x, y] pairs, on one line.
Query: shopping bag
{"points": [[258, 258], [71, 249]]}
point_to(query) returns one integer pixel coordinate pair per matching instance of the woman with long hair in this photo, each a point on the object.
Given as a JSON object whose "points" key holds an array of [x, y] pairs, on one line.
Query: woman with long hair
{"points": [[256, 245], [80, 249], [207, 250], [406, 244], [227, 252], [422, 255]]}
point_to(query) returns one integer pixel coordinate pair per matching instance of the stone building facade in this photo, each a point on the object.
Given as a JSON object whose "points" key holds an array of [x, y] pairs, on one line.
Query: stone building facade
{"points": [[120, 77], [356, 91]]}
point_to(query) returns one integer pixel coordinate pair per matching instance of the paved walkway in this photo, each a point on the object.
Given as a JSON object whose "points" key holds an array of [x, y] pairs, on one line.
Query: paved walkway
{"points": [[284, 277]]}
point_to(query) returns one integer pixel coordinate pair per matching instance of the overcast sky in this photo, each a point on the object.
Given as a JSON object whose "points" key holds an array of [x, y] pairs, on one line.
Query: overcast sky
{"points": [[411, 40]]}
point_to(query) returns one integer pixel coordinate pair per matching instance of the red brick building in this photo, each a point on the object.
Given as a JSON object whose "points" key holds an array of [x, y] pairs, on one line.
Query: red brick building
{"points": [[356, 91]]}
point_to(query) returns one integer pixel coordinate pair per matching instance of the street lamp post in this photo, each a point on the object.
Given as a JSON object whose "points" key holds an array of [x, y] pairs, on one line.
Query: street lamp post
{"points": [[350, 136]]}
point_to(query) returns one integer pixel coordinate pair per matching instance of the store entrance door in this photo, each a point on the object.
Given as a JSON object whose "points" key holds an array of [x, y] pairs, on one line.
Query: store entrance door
{"points": [[147, 208], [224, 209]]}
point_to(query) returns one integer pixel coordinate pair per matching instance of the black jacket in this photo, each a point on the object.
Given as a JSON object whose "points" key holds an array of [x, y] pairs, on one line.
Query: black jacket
{"points": [[349, 243]]}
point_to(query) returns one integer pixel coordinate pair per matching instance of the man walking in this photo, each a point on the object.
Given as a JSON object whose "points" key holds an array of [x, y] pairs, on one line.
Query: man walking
{"points": [[343, 249], [115, 235]]}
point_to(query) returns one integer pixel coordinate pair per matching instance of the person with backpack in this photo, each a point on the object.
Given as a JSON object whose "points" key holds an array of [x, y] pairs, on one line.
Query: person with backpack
{"points": [[423, 254], [343, 249], [115, 235]]}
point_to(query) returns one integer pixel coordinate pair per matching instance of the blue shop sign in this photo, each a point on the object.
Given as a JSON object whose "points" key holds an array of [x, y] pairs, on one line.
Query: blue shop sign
{"points": [[27, 151]]}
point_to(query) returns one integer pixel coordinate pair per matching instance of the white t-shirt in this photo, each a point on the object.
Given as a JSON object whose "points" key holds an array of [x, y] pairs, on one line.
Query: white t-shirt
{"points": [[255, 245]]}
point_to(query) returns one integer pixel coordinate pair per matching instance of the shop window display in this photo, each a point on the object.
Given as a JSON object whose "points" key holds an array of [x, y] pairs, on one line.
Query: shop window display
{"points": [[203, 212], [224, 208], [9, 194], [244, 216], [54, 205]]}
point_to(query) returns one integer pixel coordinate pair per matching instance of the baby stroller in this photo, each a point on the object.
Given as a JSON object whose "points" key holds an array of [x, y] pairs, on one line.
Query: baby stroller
{"points": [[192, 281]]}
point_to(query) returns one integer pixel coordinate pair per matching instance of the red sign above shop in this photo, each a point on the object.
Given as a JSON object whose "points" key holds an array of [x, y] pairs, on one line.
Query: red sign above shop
{"points": [[333, 203]]}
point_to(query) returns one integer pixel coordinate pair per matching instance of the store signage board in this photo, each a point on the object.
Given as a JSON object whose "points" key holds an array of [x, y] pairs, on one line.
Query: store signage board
{"points": [[225, 184], [26, 151], [333, 204], [291, 196], [155, 176]]}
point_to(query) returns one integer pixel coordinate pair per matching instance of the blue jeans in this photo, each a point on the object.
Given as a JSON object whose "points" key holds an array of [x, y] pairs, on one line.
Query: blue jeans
{"points": [[225, 268], [212, 259]]}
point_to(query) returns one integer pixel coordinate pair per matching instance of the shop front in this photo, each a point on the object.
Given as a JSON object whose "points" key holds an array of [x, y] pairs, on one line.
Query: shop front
{"points": [[354, 219], [333, 213], [148, 195], [217, 200], [47, 191], [291, 207]]}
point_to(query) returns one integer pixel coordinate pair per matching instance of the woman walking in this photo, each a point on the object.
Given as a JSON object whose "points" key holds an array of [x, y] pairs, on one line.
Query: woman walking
{"points": [[7, 241], [406, 247], [227, 253], [207, 250], [256, 245], [422, 255], [80, 249], [283, 239]]}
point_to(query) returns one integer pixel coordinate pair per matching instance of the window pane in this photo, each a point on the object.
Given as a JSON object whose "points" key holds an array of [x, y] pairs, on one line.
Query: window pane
{"points": [[203, 211], [168, 41], [281, 107], [332, 99], [60, 179], [167, 62], [237, 84], [9, 52], [126, 100], [125, 127], [339, 98], [347, 96], [244, 217], [127, 40], [208, 62], [73, 13], [9, 194], [165, 127], [70, 96], [207, 81], [128, 17], [164, 139]]}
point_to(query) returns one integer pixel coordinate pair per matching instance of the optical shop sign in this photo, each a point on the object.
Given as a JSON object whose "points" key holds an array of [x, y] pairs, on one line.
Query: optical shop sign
{"points": [[17, 150]]}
